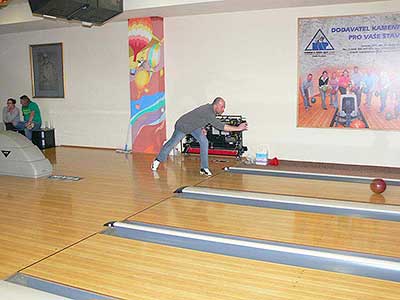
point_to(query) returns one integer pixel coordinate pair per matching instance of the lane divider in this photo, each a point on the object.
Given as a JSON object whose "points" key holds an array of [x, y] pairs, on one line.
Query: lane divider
{"points": [[302, 175], [375, 266], [317, 205], [48, 289]]}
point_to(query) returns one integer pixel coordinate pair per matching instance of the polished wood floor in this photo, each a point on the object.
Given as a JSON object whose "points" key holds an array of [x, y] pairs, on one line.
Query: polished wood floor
{"points": [[311, 229], [42, 216], [50, 229], [137, 270], [359, 192]]}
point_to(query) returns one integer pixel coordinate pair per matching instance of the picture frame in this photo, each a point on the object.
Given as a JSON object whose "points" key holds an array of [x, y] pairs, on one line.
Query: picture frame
{"points": [[47, 70]]}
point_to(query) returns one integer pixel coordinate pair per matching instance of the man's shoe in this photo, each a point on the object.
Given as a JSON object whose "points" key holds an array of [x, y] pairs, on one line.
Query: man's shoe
{"points": [[205, 171], [155, 164]]}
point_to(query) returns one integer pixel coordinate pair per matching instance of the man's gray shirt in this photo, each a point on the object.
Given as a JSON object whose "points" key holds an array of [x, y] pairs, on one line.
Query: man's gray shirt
{"points": [[198, 118]]}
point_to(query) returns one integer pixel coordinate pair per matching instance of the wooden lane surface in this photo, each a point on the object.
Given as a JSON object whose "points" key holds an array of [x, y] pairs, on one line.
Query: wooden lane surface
{"points": [[39, 217], [310, 229], [359, 192], [130, 269]]}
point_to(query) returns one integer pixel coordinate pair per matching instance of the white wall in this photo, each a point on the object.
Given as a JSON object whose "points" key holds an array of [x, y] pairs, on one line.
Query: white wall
{"points": [[95, 111], [250, 59]]}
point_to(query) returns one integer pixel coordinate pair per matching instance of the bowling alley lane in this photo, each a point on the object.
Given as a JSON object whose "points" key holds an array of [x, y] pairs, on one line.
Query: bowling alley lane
{"points": [[359, 192], [346, 233], [131, 269]]}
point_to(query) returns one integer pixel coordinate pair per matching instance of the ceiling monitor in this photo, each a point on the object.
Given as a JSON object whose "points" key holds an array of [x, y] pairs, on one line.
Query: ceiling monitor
{"points": [[90, 11]]}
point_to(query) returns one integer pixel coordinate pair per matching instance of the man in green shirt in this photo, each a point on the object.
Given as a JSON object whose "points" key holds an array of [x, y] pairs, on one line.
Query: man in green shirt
{"points": [[32, 118]]}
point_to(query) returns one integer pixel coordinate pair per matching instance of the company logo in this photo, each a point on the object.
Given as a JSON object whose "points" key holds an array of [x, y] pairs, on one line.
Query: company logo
{"points": [[319, 43], [5, 153]]}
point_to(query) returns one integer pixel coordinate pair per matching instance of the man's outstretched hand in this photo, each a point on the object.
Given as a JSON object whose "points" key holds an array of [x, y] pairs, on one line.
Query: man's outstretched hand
{"points": [[240, 127], [243, 126]]}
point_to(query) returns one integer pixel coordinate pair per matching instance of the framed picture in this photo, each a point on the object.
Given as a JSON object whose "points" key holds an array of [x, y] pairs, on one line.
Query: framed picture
{"points": [[47, 70]]}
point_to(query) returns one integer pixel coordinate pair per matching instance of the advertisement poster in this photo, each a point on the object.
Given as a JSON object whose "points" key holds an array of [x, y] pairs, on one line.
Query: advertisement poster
{"points": [[349, 72]]}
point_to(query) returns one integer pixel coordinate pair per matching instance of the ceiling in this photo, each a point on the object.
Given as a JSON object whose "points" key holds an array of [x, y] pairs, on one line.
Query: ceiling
{"points": [[17, 16]]}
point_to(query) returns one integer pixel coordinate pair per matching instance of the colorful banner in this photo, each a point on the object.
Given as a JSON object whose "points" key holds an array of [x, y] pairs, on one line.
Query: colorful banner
{"points": [[147, 88], [349, 72]]}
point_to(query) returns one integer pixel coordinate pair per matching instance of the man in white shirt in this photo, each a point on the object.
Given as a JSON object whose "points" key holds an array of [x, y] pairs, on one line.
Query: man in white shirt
{"points": [[11, 114]]}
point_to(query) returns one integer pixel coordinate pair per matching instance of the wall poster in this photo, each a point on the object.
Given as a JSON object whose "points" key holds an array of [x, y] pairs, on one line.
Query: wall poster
{"points": [[349, 72], [147, 86]]}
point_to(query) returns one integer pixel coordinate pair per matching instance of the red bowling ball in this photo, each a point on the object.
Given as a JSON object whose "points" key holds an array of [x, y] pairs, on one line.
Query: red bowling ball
{"points": [[357, 124], [378, 186]]}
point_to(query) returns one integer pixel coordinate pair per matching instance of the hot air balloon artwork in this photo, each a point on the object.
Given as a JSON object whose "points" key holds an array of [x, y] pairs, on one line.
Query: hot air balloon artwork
{"points": [[147, 88]]}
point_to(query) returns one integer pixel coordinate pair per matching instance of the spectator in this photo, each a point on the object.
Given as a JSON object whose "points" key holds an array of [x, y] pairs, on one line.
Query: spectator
{"points": [[11, 115]]}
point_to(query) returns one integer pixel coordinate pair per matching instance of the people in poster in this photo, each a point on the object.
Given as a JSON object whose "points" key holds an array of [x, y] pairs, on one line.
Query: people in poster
{"points": [[323, 88], [378, 90], [344, 82], [307, 91], [383, 89], [395, 91], [334, 88], [369, 81], [356, 78], [397, 105]]}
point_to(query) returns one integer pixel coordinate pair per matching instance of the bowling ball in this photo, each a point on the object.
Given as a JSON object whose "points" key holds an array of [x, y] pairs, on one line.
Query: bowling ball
{"points": [[324, 88], [357, 124], [334, 91], [388, 116], [313, 100], [378, 186]]}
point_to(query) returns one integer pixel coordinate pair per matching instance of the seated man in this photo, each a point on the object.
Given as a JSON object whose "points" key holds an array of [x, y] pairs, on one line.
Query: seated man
{"points": [[32, 118], [11, 116]]}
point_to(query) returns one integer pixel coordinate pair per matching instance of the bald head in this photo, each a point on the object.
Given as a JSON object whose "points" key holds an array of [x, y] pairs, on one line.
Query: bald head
{"points": [[217, 100], [218, 105]]}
